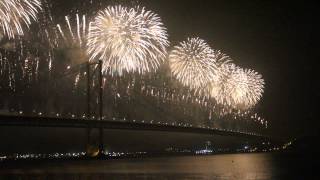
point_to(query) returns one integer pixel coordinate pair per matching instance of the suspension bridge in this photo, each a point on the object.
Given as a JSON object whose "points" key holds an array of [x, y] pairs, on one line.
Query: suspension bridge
{"points": [[95, 118]]}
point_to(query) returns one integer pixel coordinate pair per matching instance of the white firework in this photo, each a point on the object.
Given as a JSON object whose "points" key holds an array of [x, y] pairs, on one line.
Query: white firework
{"points": [[72, 41], [127, 40], [194, 63], [237, 88], [74, 32], [14, 14]]}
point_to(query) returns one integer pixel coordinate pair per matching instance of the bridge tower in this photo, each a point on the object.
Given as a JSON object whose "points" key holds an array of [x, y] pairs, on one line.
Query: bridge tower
{"points": [[92, 140]]}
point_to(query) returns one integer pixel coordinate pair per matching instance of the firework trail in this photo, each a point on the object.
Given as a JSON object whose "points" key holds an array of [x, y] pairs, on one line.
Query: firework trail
{"points": [[127, 40], [195, 64], [16, 13], [74, 33], [22, 59], [72, 39]]}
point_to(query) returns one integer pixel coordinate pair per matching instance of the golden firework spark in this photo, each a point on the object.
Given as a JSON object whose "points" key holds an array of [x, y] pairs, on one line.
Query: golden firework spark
{"points": [[194, 63], [16, 13], [127, 39], [237, 88]]}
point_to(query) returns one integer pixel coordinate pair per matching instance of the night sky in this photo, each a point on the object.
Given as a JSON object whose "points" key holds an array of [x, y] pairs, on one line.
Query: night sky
{"points": [[276, 39]]}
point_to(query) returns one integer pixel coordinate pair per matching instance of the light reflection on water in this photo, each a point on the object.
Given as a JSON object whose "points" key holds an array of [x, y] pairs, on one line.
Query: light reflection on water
{"points": [[218, 167]]}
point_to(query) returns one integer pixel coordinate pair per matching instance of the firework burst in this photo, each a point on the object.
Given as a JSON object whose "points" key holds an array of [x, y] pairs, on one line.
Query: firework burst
{"points": [[16, 13], [195, 64], [237, 88], [127, 39]]}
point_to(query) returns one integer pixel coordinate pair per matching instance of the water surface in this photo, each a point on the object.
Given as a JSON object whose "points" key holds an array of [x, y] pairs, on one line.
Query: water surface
{"points": [[216, 167]]}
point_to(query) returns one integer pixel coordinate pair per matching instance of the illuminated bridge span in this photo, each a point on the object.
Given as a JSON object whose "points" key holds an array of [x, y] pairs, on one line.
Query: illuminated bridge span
{"points": [[105, 124], [71, 97]]}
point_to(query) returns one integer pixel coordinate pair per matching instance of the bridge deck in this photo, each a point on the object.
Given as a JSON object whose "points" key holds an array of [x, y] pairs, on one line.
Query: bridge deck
{"points": [[83, 123]]}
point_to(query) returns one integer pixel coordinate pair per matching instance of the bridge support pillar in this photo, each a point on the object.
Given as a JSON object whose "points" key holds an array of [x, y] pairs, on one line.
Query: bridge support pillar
{"points": [[92, 140]]}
